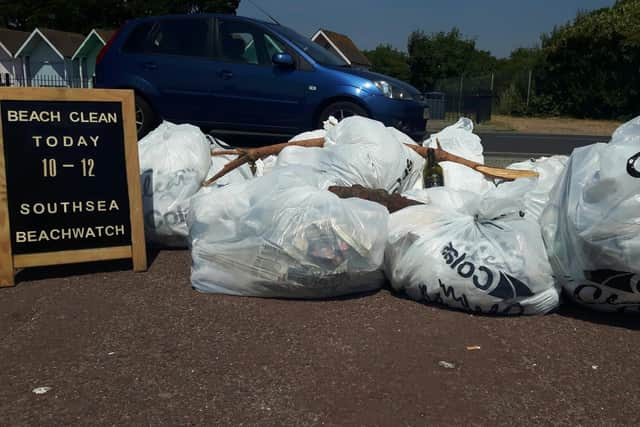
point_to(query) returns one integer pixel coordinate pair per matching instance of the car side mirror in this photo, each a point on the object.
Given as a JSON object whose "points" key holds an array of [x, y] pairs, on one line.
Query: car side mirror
{"points": [[283, 59]]}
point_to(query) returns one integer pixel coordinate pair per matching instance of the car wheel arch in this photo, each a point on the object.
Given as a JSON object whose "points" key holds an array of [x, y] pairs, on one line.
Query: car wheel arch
{"points": [[335, 99], [146, 98]]}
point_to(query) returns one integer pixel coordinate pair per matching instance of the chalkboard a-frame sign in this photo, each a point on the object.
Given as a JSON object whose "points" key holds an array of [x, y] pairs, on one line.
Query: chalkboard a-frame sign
{"points": [[69, 179]]}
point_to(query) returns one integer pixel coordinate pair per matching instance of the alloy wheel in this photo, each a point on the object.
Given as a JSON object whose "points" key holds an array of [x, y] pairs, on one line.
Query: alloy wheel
{"points": [[139, 118]]}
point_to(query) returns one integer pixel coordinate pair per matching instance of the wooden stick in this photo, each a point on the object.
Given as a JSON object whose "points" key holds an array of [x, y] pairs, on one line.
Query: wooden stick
{"points": [[225, 152], [233, 164], [393, 202], [445, 156], [253, 154]]}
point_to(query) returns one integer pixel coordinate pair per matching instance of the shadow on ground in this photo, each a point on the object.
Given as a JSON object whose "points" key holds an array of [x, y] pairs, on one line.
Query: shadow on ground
{"points": [[620, 320], [81, 269]]}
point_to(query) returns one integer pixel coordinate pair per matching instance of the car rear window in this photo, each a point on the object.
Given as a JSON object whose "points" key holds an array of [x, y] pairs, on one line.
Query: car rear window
{"points": [[184, 37], [138, 39]]}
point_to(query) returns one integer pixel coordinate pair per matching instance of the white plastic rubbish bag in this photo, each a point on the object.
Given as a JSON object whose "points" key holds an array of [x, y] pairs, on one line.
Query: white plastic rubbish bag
{"points": [[627, 133], [471, 252], [283, 236], [369, 154], [549, 170], [302, 156], [360, 151], [174, 160], [460, 140], [591, 226], [297, 156]]}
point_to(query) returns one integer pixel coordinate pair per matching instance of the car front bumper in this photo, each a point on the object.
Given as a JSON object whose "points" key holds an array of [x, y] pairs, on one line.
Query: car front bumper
{"points": [[409, 117]]}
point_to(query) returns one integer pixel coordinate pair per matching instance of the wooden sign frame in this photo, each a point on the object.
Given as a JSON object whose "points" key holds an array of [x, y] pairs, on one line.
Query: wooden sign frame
{"points": [[137, 249]]}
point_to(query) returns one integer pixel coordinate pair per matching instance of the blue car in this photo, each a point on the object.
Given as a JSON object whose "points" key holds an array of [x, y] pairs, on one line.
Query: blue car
{"points": [[236, 75]]}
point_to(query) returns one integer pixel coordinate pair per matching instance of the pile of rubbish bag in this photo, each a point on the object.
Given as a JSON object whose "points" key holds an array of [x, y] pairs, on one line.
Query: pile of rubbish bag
{"points": [[275, 228], [285, 235]]}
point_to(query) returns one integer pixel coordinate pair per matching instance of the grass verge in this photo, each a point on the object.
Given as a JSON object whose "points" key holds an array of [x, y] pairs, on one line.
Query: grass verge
{"points": [[550, 125]]}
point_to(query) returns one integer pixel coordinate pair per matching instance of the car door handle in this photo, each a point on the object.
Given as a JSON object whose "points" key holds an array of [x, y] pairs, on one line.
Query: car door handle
{"points": [[150, 66], [225, 74]]}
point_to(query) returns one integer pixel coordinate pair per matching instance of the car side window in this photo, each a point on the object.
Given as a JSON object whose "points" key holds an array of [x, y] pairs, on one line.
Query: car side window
{"points": [[184, 37], [246, 43], [273, 46], [138, 40]]}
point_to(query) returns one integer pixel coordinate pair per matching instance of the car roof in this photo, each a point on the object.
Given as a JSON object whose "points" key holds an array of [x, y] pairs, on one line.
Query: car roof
{"points": [[200, 15]]}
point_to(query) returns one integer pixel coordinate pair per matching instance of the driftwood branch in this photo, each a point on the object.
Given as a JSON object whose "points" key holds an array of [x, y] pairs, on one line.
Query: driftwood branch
{"points": [[393, 202], [251, 155], [491, 172]]}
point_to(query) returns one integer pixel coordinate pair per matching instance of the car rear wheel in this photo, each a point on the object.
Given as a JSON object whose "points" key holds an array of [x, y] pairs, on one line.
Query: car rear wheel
{"points": [[340, 110], [146, 118]]}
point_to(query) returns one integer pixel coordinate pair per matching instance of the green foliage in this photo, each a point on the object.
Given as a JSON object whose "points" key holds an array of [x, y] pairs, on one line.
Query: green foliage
{"points": [[511, 102], [387, 60], [521, 59], [589, 67], [592, 65], [543, 105], [82, 15], [439, 56], [511, 81], [480, 63]]}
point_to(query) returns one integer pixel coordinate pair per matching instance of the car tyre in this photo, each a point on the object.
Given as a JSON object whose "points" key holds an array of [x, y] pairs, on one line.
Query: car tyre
{"points": [[340, 110], [146, 118]]}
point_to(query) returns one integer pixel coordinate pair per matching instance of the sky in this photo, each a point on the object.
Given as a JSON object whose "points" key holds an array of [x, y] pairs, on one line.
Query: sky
{"points": [[498, 26]]}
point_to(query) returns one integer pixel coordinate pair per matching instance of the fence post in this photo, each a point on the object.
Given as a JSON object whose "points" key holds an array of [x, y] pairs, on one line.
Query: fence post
{"points": [[529, 88], [492, 76], [460, 95]]}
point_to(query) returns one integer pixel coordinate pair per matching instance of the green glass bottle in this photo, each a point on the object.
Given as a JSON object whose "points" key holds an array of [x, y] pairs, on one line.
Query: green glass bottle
{"points": [[432, 175]]}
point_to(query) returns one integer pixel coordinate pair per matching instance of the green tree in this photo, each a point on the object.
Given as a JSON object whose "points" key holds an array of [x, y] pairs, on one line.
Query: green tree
{"points": [[481, 63], [439, 56], [83, 15], [387, 60], [199, 6], [511, 82], [592, 65]]}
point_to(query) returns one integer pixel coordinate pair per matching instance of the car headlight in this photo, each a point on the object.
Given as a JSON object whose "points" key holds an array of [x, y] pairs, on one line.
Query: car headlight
{"points": [[391, 91]]}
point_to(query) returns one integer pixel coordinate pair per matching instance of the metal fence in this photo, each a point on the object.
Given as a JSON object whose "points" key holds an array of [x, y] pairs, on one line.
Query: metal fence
{"points": [[462, 96], [478, 97], [516, 92], [44, 81], [437, 105]]}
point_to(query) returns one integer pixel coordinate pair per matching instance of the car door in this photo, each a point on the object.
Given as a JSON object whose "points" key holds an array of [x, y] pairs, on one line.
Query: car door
{"points": [[174, 57], [255, 94]]}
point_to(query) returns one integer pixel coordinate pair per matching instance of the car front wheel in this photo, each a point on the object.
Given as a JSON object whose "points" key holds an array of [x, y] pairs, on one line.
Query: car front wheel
{"points": [[146, 118], [340, 110]]}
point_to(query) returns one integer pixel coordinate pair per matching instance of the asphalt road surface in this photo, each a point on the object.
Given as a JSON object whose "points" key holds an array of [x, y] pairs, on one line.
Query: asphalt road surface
{"points": [[123, 348], [534, 145]]}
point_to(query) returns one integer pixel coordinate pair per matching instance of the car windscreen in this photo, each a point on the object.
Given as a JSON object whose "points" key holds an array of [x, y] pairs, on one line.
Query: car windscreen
{"points": [[314, 50]]}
